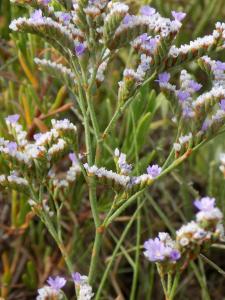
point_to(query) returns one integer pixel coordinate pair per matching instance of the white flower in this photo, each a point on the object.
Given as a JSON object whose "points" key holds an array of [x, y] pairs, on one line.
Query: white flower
{"points": [[46, 292], [213, 214]]}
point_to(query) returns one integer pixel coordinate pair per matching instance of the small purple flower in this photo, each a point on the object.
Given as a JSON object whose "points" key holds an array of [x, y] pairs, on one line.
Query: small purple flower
{"points": [[128, 19], [45, 2], [164, 77], [188, 112], [222, 104], [155, 250], [73, 158], [195, 85], [66, 17], [12, 147], [12, 119], [76, 277], [152, 43], [154, 170], [205, 204], [175, 255], [36, 16], [80, 49], [37, 136], [220, 66], [206, 124], [147, 11], [183, 95], [178, 15], [144, 37], [56, 283]]}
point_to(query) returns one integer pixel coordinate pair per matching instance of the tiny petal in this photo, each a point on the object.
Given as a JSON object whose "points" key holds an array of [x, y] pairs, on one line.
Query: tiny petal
{"points": [[73, 157], [222, 104], [37, 15], [12, 118], [12, 147], [205, 204], [76, 277], [80, 49], [178, 15], [220, 66], [56, 283], [154, 170], [147, 10], [183, 95], [164, 77], [195, 85], [175, 255]]}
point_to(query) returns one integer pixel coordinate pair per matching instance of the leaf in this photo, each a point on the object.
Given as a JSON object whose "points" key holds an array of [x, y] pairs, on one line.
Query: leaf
{"points": [[143, 129]]}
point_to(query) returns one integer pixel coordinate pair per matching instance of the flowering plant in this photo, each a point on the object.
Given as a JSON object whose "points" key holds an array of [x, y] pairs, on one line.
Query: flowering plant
{"points": [[87, 36]]}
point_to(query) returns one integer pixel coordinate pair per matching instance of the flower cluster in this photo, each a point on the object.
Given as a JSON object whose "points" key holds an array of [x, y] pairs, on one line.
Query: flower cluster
{"points": [[190, 238], [112, 27], [123, 178], [55, 69], [202, 115], [54, 288], [83, 289], [162, 248], [30, 163]]}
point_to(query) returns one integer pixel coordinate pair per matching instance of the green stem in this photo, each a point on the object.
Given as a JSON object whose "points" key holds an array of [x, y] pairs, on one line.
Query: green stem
{"points": [[162, 279], [118, 245], [128, 202], [95, 256], [138, 225], [169, 283], [174, 286]]}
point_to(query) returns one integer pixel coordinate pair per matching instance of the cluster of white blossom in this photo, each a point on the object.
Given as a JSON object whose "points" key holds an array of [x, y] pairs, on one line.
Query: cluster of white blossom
{"points": [[27, 157], [189, 239], [58, 68], [122, 177], [47, 292], [207, 227]]}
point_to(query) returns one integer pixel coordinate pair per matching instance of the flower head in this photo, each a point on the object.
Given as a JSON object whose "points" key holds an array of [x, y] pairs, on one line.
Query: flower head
{"points": [[222, 104], [205, 204], [80, 49], [175, 255], [45, 2], [128, 19], [155, 250], [12, 147], [76, 277], [65, 17], [56, 283], [188, 112], [195, 85], [154, 170], [147, 10], [164, 77], [220, 66], [12, 118], [37, 136], [73, 157], [36, 16], [46, 292], [206, 124], [178, 15], [183, 95]]}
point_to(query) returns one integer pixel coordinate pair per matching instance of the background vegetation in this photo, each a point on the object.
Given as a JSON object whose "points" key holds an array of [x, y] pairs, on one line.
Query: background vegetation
{"points": [[28, 255]]}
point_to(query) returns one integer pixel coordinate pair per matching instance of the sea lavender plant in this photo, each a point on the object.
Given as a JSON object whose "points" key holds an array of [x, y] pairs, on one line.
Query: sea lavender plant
{"points": [[88, 35], [173, 256]]}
